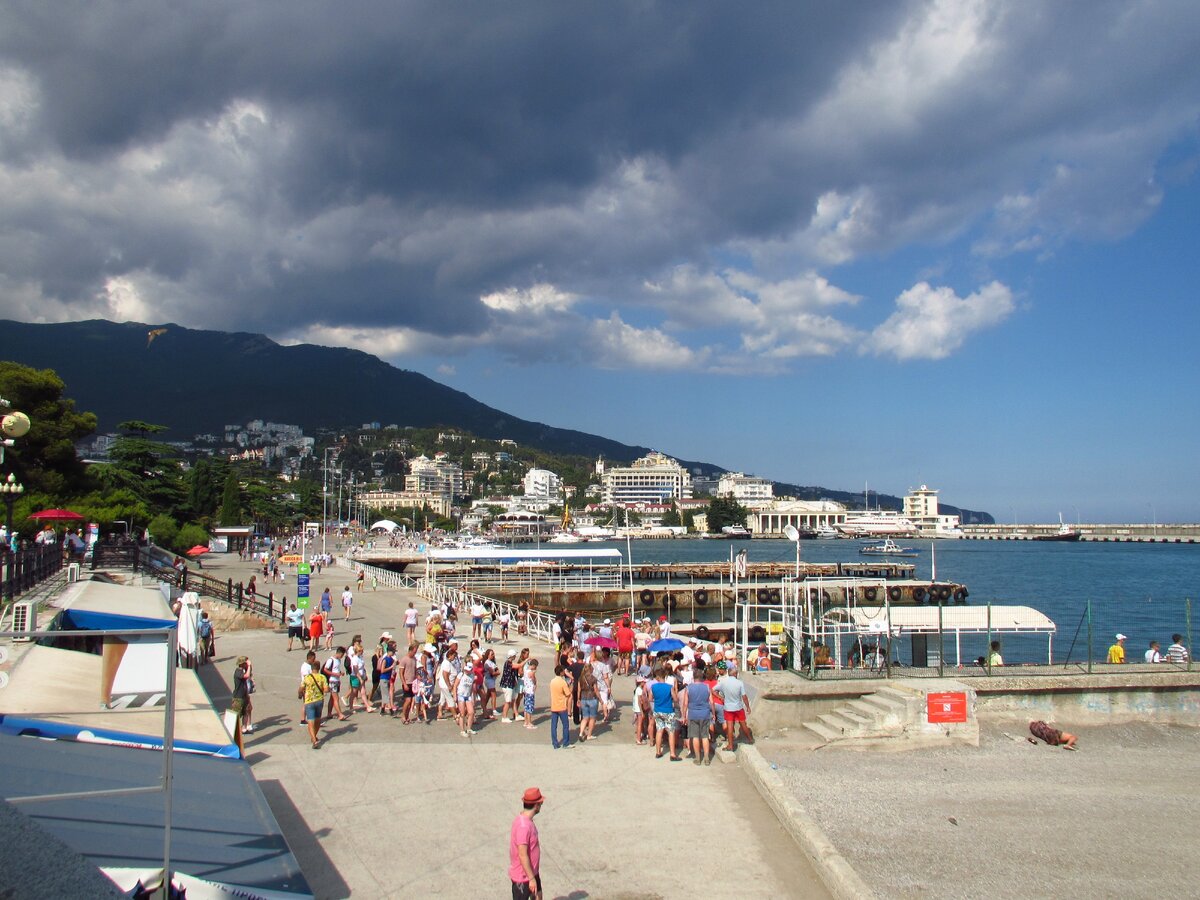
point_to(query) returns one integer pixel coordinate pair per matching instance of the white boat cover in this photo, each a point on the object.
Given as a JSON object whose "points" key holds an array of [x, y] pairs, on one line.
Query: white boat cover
{"points": [[963, 619]]}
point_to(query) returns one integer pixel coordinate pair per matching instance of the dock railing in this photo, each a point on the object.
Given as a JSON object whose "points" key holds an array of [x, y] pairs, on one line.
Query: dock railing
{"points": [[990, 639], [537, 623]]}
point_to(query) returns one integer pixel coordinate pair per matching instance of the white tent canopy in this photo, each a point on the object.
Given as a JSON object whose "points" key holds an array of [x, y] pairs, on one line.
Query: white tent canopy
{"points": [[385, 525], [964, 619]]}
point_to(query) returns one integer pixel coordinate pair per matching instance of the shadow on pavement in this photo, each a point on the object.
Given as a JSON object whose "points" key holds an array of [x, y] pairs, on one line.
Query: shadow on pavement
{"points": [[319, 870]]}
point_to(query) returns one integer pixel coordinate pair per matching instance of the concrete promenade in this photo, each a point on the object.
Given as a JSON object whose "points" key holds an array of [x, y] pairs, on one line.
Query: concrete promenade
{"points": [[382, 809]]}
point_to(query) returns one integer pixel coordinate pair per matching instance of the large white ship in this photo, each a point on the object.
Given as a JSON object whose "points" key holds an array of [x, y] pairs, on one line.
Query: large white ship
{"points": [[880, 523]]}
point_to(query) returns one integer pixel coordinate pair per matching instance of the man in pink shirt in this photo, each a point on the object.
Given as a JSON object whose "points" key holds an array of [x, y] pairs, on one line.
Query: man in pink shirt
{"points": [[524, 851]]}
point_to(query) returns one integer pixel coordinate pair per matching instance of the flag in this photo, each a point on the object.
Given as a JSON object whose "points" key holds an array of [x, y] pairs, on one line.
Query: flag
{"points": [[739, 564]]}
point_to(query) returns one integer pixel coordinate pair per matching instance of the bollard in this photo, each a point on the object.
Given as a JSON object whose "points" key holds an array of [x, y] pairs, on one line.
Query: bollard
{"points": [[229, 593]]}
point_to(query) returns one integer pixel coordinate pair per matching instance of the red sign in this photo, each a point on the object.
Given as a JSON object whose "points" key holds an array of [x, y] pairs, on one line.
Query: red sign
{"points": [[946, 707]]}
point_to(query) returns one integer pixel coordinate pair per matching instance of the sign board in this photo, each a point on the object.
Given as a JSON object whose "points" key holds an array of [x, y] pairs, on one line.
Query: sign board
{"points": [[291, 558], [946, 707], [303, 572]]}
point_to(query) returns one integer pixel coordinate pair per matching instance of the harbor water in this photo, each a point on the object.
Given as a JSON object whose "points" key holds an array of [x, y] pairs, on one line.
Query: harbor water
{"points": [[1140, 590]]}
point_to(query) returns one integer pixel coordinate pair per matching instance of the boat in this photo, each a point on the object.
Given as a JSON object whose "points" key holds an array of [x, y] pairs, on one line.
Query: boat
{"points": [[1065, 533], [825, 532], [565, 537], [735, 533], [882, 523], [886, 547]]}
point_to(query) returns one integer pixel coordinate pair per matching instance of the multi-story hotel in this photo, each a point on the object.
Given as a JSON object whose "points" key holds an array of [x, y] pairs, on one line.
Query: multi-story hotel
{"points": [[654, 478], [744, 487]]}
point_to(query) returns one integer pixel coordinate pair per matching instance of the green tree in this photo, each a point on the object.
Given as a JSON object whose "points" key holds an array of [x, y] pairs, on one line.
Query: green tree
{"points": [[45, 459], [672, 517], [189, 536], [205, 482], [724, 511], [148, 468], [231, 501], [164, 530]]}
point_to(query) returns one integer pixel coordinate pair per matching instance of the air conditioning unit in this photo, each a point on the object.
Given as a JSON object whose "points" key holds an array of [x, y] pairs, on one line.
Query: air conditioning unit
{"points": [[72, 572], [24, 618]]}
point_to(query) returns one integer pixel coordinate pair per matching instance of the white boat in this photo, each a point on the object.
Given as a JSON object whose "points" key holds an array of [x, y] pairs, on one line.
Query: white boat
{"points": [[825, 532], [886, 547], [882, 523], [735, 533], [565, 537]]}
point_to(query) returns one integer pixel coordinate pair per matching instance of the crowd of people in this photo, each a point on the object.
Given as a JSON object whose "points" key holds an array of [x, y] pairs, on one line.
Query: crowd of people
{"points": [[684, 700]]}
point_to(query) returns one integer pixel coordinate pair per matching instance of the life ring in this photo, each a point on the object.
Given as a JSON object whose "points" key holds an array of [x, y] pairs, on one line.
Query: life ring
{"points": [[669, 601], [960, 596], [700, 597], [702, 632], [869, 593], [647, 597], [763, 595], [919, 594], [774, 596], [894, 593], [757, 634]]}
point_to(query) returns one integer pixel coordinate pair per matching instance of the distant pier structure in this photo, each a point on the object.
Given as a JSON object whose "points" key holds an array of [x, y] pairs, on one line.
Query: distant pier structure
{"points": [[1138, 533]]}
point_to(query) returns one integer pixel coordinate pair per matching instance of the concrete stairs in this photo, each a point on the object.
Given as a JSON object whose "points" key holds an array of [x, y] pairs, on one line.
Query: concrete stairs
{"points": [[889, 711]]}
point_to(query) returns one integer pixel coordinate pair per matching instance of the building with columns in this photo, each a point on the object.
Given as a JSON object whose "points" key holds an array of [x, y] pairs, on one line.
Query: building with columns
{"points": [[807, 515]]}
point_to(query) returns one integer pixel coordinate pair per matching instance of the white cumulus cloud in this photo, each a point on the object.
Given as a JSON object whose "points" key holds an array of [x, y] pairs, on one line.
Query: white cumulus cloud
{"points": [[931, 323]]}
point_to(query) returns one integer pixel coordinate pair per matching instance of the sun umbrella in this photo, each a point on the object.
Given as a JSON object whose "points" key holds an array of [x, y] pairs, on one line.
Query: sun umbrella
{"points": [[666, 644], [597, 640], [56, 515], [197, 550]]}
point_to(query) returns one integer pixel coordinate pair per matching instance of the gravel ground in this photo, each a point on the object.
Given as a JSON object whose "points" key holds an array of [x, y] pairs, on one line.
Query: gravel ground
{"points": [[1010, 819]]}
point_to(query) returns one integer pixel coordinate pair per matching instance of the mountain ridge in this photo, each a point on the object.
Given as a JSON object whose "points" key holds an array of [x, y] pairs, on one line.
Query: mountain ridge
{"points": [[196, 381]]}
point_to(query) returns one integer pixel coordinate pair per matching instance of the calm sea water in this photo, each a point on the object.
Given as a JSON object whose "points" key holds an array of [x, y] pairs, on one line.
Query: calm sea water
{"points": [[1136, 589]]}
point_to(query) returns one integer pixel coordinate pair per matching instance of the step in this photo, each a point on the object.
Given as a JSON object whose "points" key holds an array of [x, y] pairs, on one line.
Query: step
{"points": [[840, 724], [885, 704], [900, 695], [823, 731], [857, 718], [867, 710]]}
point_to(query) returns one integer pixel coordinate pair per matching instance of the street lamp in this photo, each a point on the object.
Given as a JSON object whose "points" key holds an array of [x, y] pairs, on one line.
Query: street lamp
{"points": [[10, 490]]}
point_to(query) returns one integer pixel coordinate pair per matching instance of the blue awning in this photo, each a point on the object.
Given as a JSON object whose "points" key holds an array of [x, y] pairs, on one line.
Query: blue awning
{"points": [[91, 620]]}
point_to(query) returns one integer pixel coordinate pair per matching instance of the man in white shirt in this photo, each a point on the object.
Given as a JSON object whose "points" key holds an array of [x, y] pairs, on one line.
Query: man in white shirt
{"points": [[446, 676], [664, 628]]}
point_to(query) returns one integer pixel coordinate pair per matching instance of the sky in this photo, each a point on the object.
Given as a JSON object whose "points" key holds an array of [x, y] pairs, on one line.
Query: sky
{"points": [[942, 242]]}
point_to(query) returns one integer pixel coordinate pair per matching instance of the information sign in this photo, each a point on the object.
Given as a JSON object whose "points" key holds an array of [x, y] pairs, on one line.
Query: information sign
{"points": [[946, 707], [303, 573]]}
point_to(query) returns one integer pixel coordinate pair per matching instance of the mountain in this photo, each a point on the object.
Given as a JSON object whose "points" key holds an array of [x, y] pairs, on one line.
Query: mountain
{"points": [[196, 382]]}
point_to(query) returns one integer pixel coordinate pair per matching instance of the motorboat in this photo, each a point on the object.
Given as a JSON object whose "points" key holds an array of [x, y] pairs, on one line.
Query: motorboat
{"points": [[825, 532], [565, 537], [1065, 533], [887, 547], [735, 533]]}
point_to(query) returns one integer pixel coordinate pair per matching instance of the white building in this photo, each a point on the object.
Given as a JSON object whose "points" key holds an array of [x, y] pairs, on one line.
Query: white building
{"points": [[429, 473], [542, 484], [744, 487], [806, 515], [654, 478], [921, 508]]}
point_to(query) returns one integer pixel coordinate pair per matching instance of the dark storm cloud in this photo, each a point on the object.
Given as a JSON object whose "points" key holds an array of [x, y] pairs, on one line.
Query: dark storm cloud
{"points": [[245, 164]]}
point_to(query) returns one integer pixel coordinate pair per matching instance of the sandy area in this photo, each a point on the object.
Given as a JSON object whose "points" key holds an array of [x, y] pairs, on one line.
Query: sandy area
{"points": [[1011, 819]]}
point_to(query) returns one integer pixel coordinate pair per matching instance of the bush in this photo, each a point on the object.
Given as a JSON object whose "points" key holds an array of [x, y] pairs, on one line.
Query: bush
{"points": [[164, 531], [190, 535]]}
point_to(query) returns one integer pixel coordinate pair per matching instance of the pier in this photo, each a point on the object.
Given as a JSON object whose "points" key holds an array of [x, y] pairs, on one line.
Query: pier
{"points": [[1138, 533]]}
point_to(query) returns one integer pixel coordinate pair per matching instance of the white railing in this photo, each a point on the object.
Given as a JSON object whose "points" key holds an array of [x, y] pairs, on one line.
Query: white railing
{"points": [[538, 624]]}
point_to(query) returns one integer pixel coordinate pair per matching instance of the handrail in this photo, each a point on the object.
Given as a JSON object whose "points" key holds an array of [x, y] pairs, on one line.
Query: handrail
{"points": [[538, 623]]}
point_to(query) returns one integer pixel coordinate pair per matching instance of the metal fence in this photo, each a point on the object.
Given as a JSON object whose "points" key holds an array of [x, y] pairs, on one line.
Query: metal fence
{"points": [[24, 569], [992, 639], [537, 623]]}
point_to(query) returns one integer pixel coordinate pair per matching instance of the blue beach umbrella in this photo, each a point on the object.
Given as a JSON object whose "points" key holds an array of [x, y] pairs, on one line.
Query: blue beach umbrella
{"points": [[666, 644]]}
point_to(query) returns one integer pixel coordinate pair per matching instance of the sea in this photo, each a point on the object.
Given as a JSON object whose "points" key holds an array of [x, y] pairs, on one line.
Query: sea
{"points": [[1143, 591]]}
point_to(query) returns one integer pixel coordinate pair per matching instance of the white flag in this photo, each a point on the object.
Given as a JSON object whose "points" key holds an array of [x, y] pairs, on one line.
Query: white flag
{"points": [[739, 564]]}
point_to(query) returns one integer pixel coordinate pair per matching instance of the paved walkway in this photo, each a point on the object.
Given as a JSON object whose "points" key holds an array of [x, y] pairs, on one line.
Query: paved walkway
{"points": [[388, 810]]}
